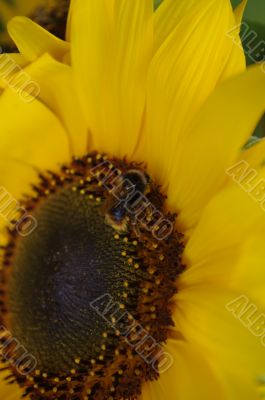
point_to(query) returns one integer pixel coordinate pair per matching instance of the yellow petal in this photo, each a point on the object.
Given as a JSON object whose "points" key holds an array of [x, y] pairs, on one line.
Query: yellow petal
{"points": [[239, 11], [111, 49], [205, 317], [15, 180], [58, 93], [237, 60], [248, 272], [10, 392], [228, 219], [31, 142], [238, 386], [193, 50], [10, 65], [32, 40], [217, 268], [213, 141], [34, 137], [190, 377]]}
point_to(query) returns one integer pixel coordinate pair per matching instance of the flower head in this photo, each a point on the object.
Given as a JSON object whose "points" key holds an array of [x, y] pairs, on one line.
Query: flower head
{"points": [[133, 253]]}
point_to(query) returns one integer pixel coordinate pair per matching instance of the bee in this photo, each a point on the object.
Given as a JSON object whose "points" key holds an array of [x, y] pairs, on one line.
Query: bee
{"points": [[131, 185]]}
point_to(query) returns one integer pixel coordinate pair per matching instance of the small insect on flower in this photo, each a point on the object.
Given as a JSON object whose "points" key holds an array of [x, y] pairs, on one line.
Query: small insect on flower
{"points": [[131, 186]]}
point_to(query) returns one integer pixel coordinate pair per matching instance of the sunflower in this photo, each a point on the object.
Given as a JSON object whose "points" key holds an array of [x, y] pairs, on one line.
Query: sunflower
{"points": [[51, 14], [130, 249]]}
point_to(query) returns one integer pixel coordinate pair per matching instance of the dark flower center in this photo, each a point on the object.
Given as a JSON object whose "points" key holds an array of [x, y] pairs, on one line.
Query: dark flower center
{"points": [[71, 259], [88, 292]]}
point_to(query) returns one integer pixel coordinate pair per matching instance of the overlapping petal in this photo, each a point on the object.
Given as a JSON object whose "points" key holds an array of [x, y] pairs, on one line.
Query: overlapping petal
{"points": [[32, 40], [184, 71], [58, 93], [248, 272], [213, 142], [204, 318], [10, 65], [227, 220], [111, 43], [189, 377], [35, 139]]}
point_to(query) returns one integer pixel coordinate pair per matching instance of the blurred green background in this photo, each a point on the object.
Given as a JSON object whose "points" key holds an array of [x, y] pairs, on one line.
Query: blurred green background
{"points": [[255, 10], [255, 18]]}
